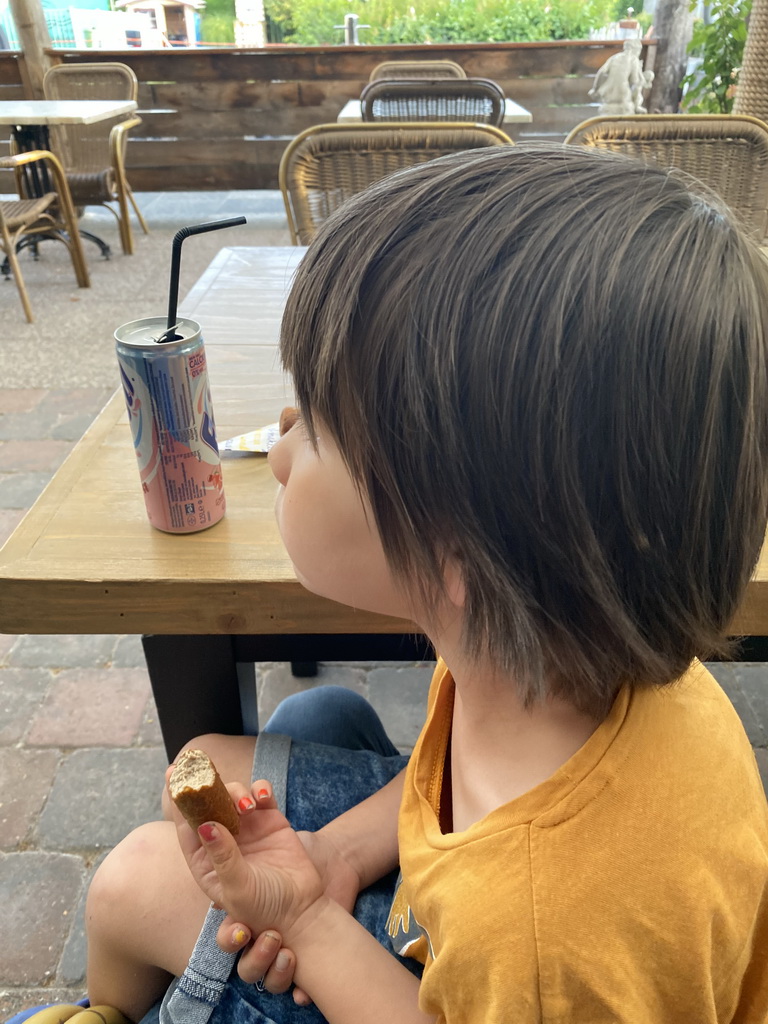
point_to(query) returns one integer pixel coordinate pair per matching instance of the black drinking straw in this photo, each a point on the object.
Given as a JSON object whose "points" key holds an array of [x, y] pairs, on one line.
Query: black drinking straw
{"points": [[178, 238]]}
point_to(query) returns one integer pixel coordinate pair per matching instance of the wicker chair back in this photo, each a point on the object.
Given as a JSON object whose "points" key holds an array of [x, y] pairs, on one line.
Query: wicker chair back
{"points": [[476, 100], [727, 153], [413, 69], [94, 154], [327, 164]]}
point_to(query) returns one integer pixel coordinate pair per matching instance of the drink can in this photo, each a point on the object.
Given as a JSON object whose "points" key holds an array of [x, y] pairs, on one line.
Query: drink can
{"points": [[169, 406]]}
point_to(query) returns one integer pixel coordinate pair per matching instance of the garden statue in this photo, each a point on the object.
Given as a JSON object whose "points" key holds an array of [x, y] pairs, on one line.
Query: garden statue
{"points": [[620, 81]]}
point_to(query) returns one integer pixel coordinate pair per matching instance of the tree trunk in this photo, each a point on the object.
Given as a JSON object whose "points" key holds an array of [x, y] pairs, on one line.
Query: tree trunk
{"points": [[34, 38], [673, 27], [752, 90]]}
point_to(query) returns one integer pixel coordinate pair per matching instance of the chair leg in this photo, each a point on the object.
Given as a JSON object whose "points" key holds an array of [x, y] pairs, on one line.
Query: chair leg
{"points": [[75, 244], [10, 252], [126, 234], [139, 214]]}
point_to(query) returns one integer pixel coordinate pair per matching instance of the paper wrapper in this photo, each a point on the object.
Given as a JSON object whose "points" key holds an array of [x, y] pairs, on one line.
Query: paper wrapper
{"points": [[259, 441]]}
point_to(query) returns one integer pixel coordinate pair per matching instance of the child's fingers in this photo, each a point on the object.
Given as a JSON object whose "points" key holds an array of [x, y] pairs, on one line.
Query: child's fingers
{"points": [[263, 795], [268, 964], [241, 797], [232, 936]]}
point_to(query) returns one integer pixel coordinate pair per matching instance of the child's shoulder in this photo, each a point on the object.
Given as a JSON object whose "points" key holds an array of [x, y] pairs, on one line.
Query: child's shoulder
{"points": [[686, 743]]}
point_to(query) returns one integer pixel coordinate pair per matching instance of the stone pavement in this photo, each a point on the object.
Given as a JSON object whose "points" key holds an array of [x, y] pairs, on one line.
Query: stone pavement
{"points": [[81, 757]]}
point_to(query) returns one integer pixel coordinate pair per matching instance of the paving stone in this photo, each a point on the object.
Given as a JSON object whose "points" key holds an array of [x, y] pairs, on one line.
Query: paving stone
{"points": [[26, 456], [22, 690], [20, 399], [761, 755], [72, 428], [22, 426], [129, 653], [92, 707], [21, 490], [65, 650], [399, 695], [37, 893], [726, 675], [753, 680], [99, 796], [75, 401], [150, 734], [73, 960], [7, 640], [275, 682], [25, 780], [9, 520]]}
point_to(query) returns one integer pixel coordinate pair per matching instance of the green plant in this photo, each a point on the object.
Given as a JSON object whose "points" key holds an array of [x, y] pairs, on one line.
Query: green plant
{"points": [[217, 22], [312, 22], [720, 45]]}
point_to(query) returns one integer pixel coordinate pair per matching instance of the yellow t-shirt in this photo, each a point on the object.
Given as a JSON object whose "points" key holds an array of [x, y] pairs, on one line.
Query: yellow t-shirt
{"points": [[631, 887]]}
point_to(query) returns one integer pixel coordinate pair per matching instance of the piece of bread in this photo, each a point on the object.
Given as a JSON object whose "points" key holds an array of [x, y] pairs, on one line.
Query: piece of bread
{"points": [[197, 790]]}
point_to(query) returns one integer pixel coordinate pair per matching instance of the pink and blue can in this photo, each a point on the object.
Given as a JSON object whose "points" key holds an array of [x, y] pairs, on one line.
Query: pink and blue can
{"points": [[168, 396]]}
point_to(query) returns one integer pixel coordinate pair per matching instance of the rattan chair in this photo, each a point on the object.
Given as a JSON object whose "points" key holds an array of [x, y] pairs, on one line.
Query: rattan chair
{"points": [[476, 100], [412, 69], [50, 215], [728, 153], [94, 155], [327, 164]]}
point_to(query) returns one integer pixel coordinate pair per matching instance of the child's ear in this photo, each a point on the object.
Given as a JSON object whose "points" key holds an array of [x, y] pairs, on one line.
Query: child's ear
{"points": [[455, 588]]}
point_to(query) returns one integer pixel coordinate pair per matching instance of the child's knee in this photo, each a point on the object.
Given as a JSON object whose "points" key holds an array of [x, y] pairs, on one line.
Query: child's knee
{"points": [[113, 893]]}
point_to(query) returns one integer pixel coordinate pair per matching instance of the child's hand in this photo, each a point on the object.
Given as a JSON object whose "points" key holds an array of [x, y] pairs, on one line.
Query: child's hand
{"points": [[265, 879], [264, 962]]}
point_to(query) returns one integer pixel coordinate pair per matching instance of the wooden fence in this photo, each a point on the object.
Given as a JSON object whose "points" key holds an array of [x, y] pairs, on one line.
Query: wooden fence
{"points": [[221, 118]]}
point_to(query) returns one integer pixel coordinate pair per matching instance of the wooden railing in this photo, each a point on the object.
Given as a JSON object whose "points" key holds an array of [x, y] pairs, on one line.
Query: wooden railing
{"points": [[220, 119]]}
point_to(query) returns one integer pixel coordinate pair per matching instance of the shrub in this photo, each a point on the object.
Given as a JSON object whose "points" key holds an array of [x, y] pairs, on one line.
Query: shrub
{"points": [[720, 45], [312, 22]]}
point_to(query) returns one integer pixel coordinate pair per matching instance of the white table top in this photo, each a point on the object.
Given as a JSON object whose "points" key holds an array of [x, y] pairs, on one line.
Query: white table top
{"points": [[351, 113], [31, 112]]}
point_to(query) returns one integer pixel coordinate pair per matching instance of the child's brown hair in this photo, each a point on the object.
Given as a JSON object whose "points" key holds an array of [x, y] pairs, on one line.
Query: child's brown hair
{"points": [[550, 365]]}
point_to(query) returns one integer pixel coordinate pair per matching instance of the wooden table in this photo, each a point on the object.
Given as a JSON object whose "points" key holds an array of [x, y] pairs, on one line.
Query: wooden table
{"points": [[351, 113], [86, 560]]}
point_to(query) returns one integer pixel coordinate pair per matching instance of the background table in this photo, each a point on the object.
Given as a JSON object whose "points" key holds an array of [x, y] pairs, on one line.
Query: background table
{"points": [[30, 121], [86, 560], [351, 113]]}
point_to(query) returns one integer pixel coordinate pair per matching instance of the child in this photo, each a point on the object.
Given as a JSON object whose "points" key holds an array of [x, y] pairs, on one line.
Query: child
{"points": [[533, 389]]}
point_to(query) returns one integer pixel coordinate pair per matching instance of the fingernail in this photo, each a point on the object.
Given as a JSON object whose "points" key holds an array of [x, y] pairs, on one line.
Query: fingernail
{"points": [[245, 804], [208, 832], [282, 960], [239, 936], [268, 942], [263, 794]]}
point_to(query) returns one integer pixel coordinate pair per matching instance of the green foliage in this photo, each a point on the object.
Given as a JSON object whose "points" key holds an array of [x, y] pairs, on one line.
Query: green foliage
{"points": [[720, 44], [312, 22], [217, 22]]}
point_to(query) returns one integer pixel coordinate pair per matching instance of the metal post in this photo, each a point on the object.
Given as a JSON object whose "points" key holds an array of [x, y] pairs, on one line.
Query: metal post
{"points": [[351, 26]]}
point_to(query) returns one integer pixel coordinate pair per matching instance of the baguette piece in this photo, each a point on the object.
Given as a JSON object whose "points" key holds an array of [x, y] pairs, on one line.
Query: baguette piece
{"points": [[197, 790]]}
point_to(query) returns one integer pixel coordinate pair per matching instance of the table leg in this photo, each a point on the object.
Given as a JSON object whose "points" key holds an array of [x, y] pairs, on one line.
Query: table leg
{"points": [[208, 683], [35, 177], [196, 684]]}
